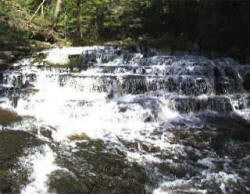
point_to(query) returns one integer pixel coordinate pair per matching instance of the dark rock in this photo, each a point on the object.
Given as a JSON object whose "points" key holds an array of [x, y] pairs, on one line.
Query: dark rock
{"points": [[123, 109], [220, 104], [50, 38], [191, 104], [96, 169], [1, 77], [196, 47], [64, 183], [46, 133], [5, 182], [246, 83], [12, 146], [7, 117], [149, 118]]}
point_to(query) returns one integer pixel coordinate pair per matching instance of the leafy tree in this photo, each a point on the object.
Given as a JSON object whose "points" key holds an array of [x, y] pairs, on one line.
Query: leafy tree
{"points": [[217, 25]]}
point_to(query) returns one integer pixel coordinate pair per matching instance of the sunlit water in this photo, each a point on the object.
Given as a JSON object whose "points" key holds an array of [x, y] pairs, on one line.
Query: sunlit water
{"points": [[168, 114]]}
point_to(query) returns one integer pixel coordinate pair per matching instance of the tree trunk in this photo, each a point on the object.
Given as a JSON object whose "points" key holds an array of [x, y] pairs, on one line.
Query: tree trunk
{"points": [[37, 10], [42, 11], [56, 14], [78, 19]]}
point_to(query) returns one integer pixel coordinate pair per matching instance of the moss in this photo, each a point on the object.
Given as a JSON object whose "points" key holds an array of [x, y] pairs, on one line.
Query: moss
{"points": [[5, 181], [78, 62], [39, 58], [94, 168], [7, 117], [63, 182], [12, 146], [130, 44], [46, 133]]}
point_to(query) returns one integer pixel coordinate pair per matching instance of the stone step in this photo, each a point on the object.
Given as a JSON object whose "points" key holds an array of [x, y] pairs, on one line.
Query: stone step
{"points": [[191, 104]]}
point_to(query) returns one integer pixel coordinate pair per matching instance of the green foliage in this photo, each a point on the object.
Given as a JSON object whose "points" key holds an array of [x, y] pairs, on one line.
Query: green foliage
{"points": [[215, 25]]}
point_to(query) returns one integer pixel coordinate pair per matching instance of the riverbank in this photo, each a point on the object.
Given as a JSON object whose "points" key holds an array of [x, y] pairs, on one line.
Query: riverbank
{"points": [[19, 36]]}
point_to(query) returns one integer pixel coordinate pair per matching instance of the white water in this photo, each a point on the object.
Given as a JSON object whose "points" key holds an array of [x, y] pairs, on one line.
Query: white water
{"points": [[42, 164], [60, 56]]}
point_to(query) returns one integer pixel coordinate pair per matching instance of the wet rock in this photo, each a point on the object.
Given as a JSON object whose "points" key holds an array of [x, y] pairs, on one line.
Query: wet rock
{"points": [[110, 94], [12, 146], [7, 117], [246, 83], [39, 58], [39, 36], [1, 77], [196, 47], [4, 64], [172, 85], [220, 104], [98, 170], [222, 182], [193, 137], [5, 182], [83, 61], [178, 170], [234, 79], [134, 85], [227, 79], [50, 38], [233, 127], [191, 104], [123, 109], [65, 182], [5, 91], [194, 86], [148, 119], [46, 133]]}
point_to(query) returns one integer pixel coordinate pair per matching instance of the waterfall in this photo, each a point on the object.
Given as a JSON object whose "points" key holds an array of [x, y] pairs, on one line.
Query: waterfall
{"points": [[163, 112]]}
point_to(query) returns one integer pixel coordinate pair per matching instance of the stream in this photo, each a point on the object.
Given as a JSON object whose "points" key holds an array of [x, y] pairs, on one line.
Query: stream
{"points": [[114, 121]]}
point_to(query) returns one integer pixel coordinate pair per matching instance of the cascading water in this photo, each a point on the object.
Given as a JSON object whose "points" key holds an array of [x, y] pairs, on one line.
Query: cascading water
{"points": [[116, 121]]}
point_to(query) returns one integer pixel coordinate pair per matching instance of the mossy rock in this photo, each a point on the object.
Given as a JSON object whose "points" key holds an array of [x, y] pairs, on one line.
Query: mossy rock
{"points": [[12, 146], [7, 117], [39, 58], [63, 182], [94, 168]]}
